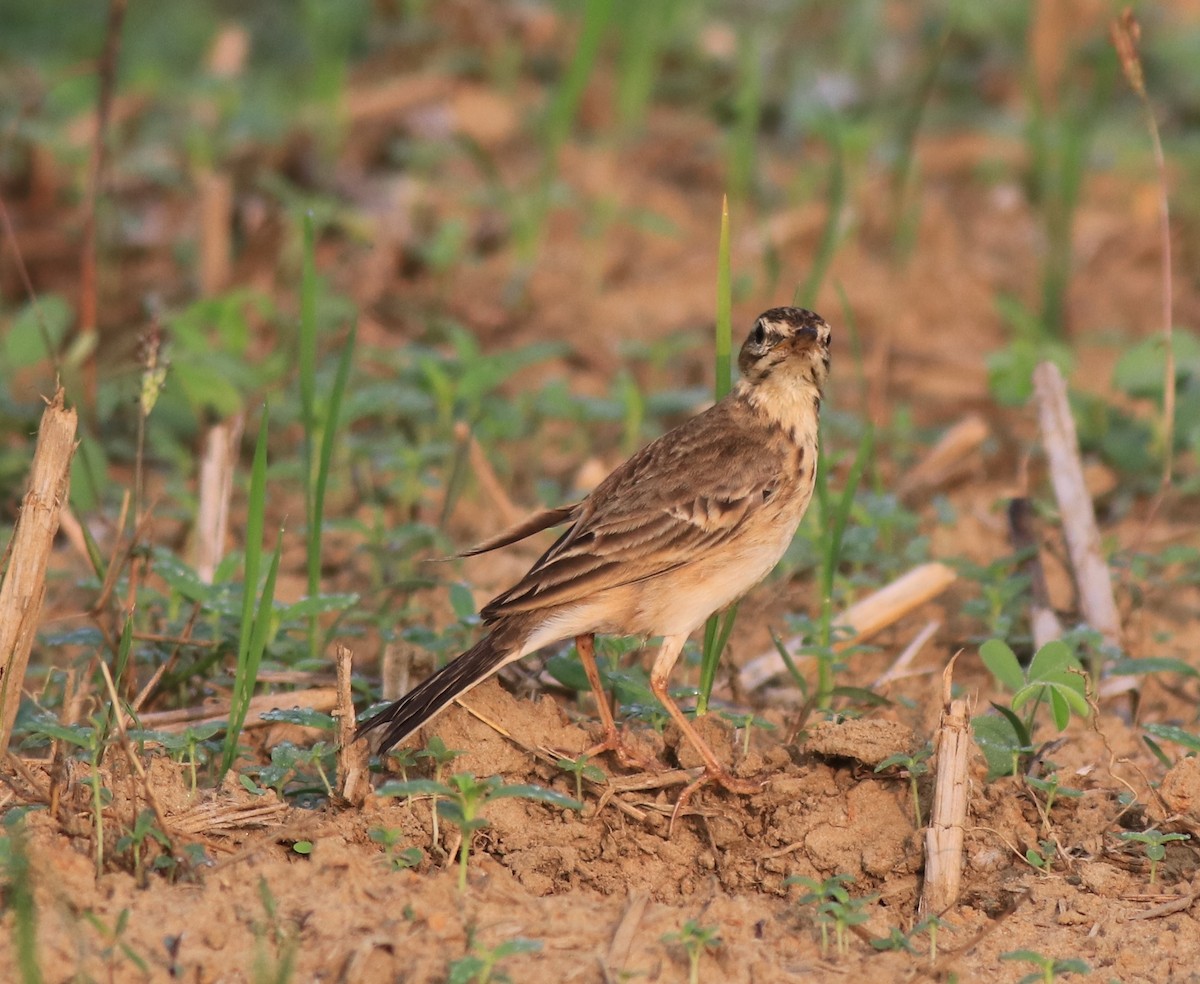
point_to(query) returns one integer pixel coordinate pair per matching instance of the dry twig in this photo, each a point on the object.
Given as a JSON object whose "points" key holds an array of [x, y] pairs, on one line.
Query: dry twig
{"points": [[24, 587], [946, 834], [864, 618]]}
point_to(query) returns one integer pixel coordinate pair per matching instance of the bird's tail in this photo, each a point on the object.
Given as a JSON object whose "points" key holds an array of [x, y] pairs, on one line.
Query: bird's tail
{"points": [[431, 696]]}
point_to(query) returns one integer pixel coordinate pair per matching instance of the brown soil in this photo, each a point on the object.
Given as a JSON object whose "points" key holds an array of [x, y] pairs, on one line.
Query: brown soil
{"points": [[602, 890]]}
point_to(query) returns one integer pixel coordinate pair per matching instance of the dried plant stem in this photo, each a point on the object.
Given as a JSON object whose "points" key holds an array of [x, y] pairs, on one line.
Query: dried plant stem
{"points": [[353, 777], [216, 489], [1092, 576], [318, 699], [24, 585], [864, 618], [1125, 32], [945, 836]]}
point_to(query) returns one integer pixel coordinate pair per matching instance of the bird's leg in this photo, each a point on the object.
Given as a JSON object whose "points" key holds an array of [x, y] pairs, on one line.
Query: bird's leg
{"points": [[660, 674], [613, 742]]}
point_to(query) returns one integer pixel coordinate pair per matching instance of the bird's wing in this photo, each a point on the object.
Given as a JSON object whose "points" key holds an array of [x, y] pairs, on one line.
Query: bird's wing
{"points": [[671, 502]]}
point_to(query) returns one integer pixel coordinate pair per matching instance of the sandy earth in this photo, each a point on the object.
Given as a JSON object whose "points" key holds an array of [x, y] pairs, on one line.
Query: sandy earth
{"points": [[603, 890]]}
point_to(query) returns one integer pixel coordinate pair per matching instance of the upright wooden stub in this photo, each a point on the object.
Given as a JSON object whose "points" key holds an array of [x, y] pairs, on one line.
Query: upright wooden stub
{"points": [[24, 580]]}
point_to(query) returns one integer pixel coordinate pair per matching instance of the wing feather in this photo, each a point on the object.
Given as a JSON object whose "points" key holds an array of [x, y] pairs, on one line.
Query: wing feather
{"points": [[675, 499]]}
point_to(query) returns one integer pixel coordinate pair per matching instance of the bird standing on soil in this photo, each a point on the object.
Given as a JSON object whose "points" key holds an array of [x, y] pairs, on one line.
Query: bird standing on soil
{"points": [[683, 528]]}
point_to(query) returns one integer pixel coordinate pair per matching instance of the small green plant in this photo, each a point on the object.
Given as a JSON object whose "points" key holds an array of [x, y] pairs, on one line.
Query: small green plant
{"points": [[461, 799], [1048, 969], [834, 907], [916, 765], [1051, 789], [694, 939], [441, 756], [1042, 856], [746, 723], [1155, 845], [114, 945], [145, 828], [1054, 677], [581, 768], [479, 966], [389, 839]]}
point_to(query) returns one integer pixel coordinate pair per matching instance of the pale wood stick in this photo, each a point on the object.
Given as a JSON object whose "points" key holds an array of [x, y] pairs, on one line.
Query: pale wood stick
{"points": [[948, 459], [1092, 576], [865, 618], [318, 699], [215, 491], [24, 587], [946, 833], [215, 205], [353, 775], [900, 668]]}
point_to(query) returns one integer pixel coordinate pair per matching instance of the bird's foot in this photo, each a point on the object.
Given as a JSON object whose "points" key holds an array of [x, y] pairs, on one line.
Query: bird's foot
{"points": [[616, 741], [735, 784]]}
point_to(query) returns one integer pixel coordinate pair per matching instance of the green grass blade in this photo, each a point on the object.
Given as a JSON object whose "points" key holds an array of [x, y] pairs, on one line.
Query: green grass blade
{"points": [[715, 634], [255, 520], [316, 519], [724, 308]]}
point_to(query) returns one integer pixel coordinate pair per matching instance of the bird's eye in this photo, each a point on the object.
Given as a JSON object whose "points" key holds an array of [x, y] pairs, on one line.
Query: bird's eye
{"points": [[759, 335]]}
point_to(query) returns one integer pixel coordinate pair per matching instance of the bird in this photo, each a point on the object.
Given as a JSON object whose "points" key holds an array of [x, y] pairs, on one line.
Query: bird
{"points": [[682, 529]]}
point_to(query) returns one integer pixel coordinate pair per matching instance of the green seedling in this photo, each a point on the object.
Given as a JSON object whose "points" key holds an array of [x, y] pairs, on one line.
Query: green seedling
{"points": [[479, 966], [114, 945], [404, 759], [389, 839], [896, 939], [1155, 845], [183, 746], [1171, 733], [915, 765], [1042, 856], [1054, 677], [747, 722], [581, 768], [1051, 789], [441, 756], [461, 799], [91, 739], [145, 828], [694, 939], [834, 907], [1048, 969], [930, 925], [289, 762]]}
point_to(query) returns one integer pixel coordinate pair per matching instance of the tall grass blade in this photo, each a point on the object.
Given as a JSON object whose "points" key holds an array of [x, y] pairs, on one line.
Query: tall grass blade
{"points": [[316, 502], [244, 681], [834, 516], [716, 630]]}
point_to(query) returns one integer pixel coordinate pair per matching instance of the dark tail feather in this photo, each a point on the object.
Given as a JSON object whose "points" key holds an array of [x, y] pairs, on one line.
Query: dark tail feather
{"points": [[401, 719]]}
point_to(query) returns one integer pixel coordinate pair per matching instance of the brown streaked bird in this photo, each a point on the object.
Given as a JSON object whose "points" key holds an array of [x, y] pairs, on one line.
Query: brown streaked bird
{"points": [[682, 529]]}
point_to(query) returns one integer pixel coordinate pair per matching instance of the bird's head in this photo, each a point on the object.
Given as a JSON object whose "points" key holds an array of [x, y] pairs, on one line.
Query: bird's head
{"points": [[788, 346]]}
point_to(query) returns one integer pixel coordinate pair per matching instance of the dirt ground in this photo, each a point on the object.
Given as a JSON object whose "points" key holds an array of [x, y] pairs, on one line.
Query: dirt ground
{"points": [[604, 889]]}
